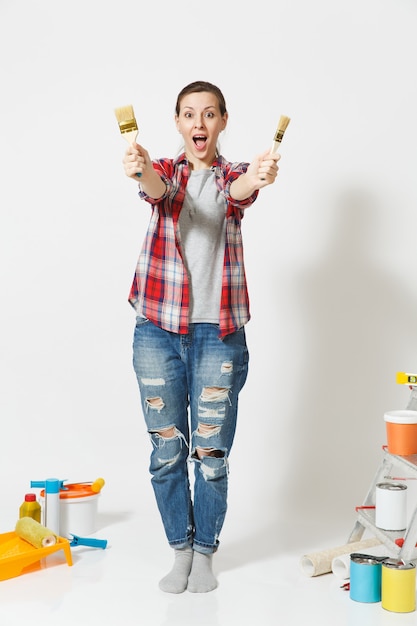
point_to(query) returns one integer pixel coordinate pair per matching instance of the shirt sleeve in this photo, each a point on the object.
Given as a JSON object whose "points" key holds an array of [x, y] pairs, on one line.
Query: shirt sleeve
{"points": [[231, 174], [162, 167]]}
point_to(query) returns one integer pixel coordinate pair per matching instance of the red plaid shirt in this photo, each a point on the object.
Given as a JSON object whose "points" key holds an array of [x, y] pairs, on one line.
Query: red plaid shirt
{"points": [[160, 289]]}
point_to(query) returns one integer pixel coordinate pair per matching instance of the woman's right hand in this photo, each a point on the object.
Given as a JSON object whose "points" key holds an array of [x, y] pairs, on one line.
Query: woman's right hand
{"points": [[136, 161], [138, 166]]}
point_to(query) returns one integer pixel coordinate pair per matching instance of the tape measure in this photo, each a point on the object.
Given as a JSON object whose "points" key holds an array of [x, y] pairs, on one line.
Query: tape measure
{"points": [[406, 379]]}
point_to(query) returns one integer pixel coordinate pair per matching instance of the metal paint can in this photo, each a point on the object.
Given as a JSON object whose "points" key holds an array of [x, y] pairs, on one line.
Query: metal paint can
{"points": [[398, 586], [391, 506], [365, 578]]}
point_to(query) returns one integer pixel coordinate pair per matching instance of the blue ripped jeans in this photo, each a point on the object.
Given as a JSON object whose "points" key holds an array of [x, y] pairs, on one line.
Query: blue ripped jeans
{"points": [[189, 386]]}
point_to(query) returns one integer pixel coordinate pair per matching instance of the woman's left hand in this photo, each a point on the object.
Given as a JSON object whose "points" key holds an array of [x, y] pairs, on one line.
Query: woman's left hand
{"points": [[264, 168]]}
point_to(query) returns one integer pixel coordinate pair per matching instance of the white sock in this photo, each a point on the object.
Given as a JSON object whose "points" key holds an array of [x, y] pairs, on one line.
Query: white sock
{"points": [[177, 579], [201, 577]]}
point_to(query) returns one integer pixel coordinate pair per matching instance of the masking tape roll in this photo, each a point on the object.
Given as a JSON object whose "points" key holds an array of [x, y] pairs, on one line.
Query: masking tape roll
{"points": [[318, 563], [34, 533]]}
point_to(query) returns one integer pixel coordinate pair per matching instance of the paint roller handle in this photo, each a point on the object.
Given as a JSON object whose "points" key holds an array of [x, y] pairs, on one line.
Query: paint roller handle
{"points": [[91, 543], [98, 485]]}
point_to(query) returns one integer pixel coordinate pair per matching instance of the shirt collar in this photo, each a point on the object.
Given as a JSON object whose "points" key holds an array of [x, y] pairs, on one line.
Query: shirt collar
{"points": [[181, 158]]}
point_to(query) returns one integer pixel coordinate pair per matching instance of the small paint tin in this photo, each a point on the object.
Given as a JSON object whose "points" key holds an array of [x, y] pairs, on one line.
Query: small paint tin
{"points": [[398, 586], [365, 578], [391, 506]]}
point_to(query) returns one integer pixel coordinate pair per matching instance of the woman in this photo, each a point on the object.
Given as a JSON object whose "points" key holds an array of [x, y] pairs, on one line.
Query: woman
{"points": [[190, 296]]}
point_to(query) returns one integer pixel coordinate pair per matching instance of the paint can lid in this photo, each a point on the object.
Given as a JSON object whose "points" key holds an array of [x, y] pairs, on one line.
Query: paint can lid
{"points": [[75, 491], [364, 559], [398, 564], [392, 486], [401, 417]]}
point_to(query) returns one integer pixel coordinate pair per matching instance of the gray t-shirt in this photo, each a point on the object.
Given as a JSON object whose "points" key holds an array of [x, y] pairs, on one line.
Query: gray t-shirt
{"points": [[203, 231]]}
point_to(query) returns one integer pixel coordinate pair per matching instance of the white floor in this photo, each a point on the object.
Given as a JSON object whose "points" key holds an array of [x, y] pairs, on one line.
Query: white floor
{"points": [[260, 581]]}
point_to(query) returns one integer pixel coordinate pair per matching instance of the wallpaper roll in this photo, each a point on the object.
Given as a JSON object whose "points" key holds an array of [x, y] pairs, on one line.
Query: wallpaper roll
{"points": [[34, 533], [318, 563], [341, 564]]}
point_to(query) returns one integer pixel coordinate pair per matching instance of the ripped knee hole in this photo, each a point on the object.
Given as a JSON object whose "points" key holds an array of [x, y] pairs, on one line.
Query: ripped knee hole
{"points": [[207, 430], [202, 452], [167, 433], [155, 403], [214, 394]]}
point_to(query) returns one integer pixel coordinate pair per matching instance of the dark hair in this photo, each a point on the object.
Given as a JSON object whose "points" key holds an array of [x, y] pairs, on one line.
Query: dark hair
{"points": [[201, 85]]}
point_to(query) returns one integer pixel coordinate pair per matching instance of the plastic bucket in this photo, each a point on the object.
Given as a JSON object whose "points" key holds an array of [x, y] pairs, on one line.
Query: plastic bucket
{"points": [[401, 427], [78, 505]]}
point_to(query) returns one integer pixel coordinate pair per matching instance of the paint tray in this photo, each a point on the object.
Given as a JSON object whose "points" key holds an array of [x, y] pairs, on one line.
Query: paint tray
{"points": [[17, 555]]}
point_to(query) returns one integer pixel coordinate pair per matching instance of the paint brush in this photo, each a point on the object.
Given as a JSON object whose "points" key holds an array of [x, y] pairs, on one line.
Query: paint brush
{"points": [[282, 127], [127, 125]]}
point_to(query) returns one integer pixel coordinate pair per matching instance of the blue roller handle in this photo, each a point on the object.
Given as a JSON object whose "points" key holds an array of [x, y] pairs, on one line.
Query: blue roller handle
{"points": [[84, 541]]}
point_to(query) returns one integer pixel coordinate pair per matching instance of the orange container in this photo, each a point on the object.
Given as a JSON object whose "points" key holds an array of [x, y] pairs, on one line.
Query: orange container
{"points": [[401, 427]]}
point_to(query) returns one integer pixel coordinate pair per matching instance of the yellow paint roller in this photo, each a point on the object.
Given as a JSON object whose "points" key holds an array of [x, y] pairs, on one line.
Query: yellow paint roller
{"points": [[34, 533]]}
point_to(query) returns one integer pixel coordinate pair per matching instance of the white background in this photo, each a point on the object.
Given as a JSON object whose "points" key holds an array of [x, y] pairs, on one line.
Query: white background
{"points": [[330, 248]]}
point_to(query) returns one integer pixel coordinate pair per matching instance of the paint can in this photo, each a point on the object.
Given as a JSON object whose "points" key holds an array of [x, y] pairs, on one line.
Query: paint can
{"points": [[391, 506], [365, 578], [398, 586], [401, 429]]}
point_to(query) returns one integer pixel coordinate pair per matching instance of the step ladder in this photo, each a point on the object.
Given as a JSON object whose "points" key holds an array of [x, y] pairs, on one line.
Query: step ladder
{"points": [[399, 544]]}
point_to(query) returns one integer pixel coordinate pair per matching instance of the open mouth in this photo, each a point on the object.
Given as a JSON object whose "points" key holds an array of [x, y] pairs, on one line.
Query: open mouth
{"points": [[200, 141]]}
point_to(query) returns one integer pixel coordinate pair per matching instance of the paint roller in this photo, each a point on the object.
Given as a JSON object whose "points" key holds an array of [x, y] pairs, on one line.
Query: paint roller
{"points": [[34, 533]]}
